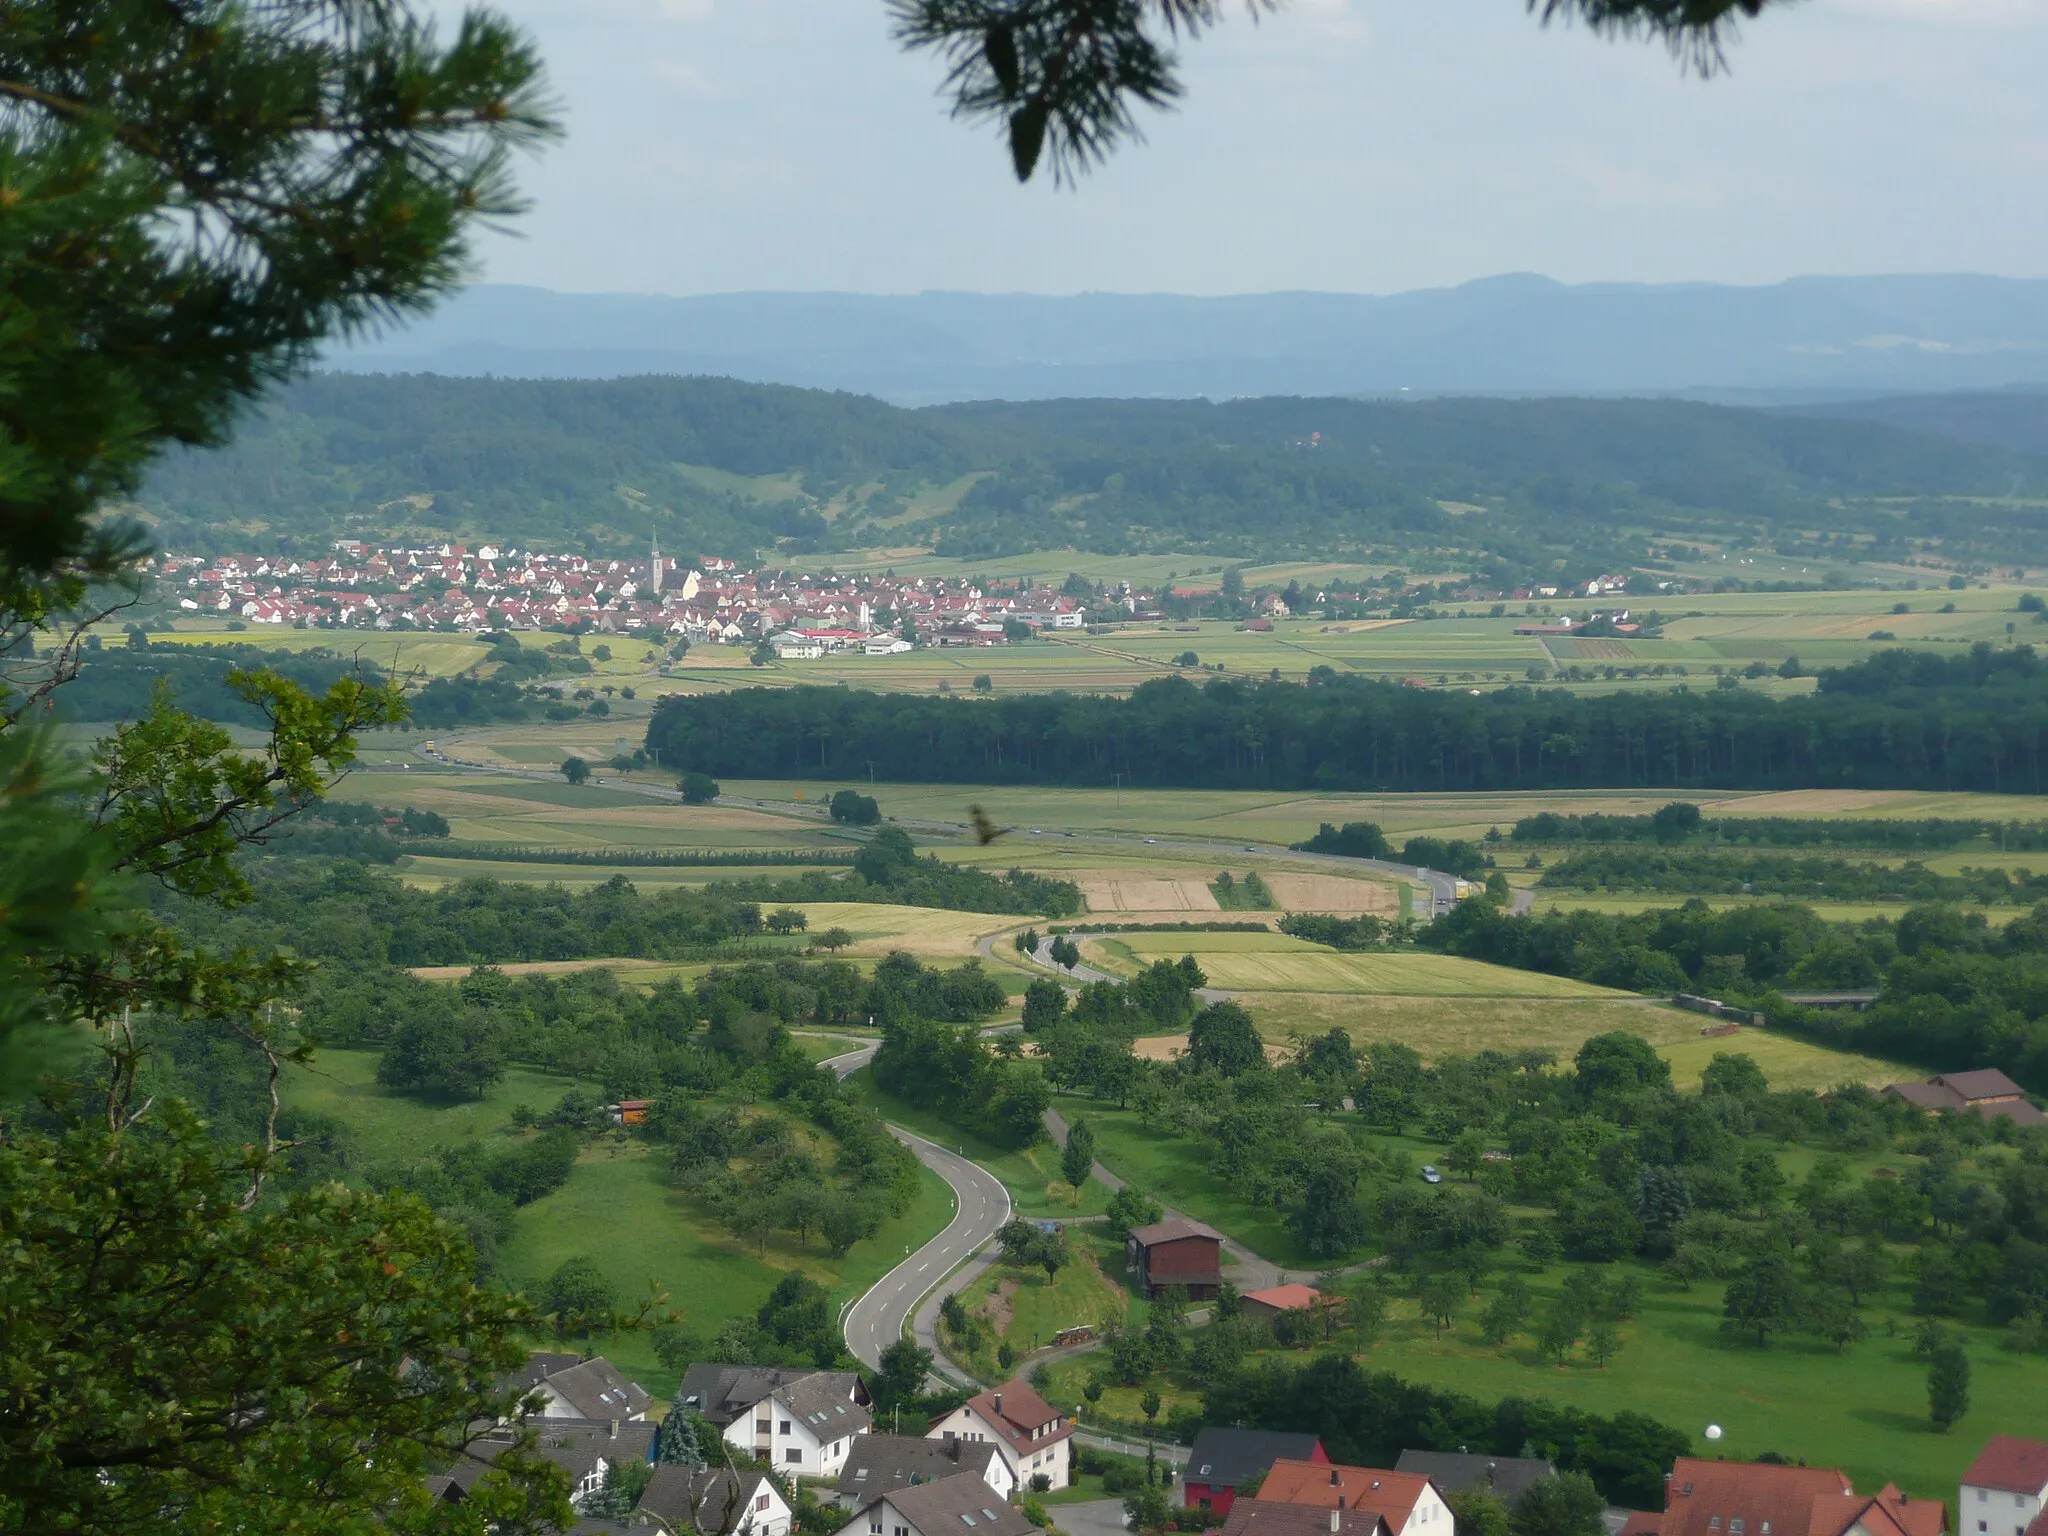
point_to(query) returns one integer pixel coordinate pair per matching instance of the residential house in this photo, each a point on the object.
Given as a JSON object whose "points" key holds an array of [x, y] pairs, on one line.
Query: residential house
{"points": [[1409, 1502], [961, 1505], [803, 1421], [880, 1464], [1741, 1498], [585, 1387], [1033, 1437], [1178, 1252], [1265, 1517], [1507, 1478], [716, 1502], [1224, 1460], [1987, 1092], [2004, 1488], [585, 1450]]}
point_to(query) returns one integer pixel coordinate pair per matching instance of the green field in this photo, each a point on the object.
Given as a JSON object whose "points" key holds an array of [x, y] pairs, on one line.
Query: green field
{"points": [[1275, 962], [618, 1208], [1027, 1309], [398, 1127], [621, 1211]]}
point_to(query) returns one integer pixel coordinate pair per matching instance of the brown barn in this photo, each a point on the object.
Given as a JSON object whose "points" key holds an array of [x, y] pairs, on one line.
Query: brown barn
{"points": [[1987, 1092], [1179, 1252]]}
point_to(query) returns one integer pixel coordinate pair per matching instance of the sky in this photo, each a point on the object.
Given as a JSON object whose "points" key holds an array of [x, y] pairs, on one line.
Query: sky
{"points": [[1362, 146]]}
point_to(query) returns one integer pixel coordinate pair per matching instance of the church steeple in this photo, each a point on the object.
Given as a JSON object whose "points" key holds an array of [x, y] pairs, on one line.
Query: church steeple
{"points": [[654, 563]]}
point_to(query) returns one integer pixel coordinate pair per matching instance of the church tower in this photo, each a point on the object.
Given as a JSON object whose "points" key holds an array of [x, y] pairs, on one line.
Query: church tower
{"points": [[654, 564]]}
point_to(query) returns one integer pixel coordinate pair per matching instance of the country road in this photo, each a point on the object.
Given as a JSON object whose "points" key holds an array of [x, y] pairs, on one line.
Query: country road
{"points": [[981, 1205]]}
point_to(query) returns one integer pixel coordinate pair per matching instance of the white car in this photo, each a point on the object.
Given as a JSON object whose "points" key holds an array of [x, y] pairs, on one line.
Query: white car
{"points": [[1430, 1175]]}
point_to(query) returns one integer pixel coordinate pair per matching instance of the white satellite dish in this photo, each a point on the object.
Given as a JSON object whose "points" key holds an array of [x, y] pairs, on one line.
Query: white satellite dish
{"points": [[1713, 1431]]}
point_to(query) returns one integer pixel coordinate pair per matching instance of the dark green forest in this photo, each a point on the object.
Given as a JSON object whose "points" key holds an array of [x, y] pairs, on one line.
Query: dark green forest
{"points": [[1900, 720], [598, 465]]}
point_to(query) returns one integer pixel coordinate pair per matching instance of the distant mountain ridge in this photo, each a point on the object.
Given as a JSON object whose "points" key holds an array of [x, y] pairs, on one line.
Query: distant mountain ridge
{"points": [[1521, 334]]}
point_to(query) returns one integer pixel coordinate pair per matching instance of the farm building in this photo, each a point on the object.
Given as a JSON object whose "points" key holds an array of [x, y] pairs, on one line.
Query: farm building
{"points": [[1275, 1299], [1224, 1460], [1988, 1092], [1179, 1252]]}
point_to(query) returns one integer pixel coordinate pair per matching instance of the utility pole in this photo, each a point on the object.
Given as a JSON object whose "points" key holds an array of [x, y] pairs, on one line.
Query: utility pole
{"points": [[871, 773], [1119, 790]]}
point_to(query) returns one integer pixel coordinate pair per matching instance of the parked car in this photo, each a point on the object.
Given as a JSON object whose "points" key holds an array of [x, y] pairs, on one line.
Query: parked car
{"points": [[1430, 1175]]}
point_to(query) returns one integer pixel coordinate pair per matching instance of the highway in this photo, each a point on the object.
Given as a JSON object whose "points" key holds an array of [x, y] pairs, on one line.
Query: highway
{"points": [[981, 1205]]}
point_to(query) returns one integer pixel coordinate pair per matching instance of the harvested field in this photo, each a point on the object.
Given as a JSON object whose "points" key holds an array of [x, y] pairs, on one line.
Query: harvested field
{"points": [[1448, 1026], [1166, 1047], [1110, 890], [1274, 962], [1332, 893]]}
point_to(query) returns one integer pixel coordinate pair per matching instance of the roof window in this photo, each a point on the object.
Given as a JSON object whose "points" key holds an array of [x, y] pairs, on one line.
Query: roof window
{"points": [[967, 1519]]}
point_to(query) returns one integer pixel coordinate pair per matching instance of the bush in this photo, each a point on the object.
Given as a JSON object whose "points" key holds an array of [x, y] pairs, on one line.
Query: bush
{"points": [[698, 788]]}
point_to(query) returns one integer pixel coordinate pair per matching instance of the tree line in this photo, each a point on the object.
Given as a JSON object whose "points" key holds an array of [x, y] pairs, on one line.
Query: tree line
{"points": [[1673, 825], [1952, 991], [1975, 721], [1817, 878]]}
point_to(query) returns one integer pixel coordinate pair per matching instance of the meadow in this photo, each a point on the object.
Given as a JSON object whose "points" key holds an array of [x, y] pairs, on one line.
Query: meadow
{"points": [[619, 1207], [1274, 962]]}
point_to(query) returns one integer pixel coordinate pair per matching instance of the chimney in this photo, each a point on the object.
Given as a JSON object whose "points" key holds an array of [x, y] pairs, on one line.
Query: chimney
{"points": [[615, 1429], [999, 1405], [1336, 1520], [1336, 1479]]}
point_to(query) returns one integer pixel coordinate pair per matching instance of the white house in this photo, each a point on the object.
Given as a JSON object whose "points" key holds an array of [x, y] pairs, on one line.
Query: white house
{"points": [[571, 1387], [2003, 1489], [961, 1505], [1031, 1436], [804, 1422], [879, 1465]]}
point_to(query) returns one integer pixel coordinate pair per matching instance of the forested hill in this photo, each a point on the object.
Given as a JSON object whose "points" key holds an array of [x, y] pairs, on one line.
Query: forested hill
{"points": [[720, 467], [1898, 721]]}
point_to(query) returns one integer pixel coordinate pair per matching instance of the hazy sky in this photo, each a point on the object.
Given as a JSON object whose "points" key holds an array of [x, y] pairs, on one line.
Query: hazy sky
{"points": [[1354, 145]]}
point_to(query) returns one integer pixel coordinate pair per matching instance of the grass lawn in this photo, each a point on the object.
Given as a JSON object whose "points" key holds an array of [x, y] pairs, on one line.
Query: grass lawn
{"points": [[404, 1126], [1864, 1410], [1787, 1062], [620, 1209], [1176, 1172], [1032, 1175], [1027, 1310]]}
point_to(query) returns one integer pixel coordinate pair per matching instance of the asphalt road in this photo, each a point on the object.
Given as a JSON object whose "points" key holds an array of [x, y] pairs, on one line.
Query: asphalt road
{"points": [[981, 1205]]}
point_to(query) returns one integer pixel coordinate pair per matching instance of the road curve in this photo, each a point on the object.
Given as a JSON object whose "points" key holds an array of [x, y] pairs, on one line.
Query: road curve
{"points": [[881, 1315]]}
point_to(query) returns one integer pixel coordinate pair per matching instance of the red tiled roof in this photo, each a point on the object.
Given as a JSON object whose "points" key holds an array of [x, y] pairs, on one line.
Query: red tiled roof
{"points": [[1269, 1517], [1022, 1410], [2010, 1463], [1742, 1498], [1392, 1494], [1285, 1298]]}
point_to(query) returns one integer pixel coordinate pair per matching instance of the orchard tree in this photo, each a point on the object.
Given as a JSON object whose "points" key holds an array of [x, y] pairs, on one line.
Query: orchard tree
{"points": [[1077, 1158]]}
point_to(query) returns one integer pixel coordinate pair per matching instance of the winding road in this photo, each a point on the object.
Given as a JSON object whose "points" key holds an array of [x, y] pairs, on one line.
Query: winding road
{"points": [[877, 1318]]}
